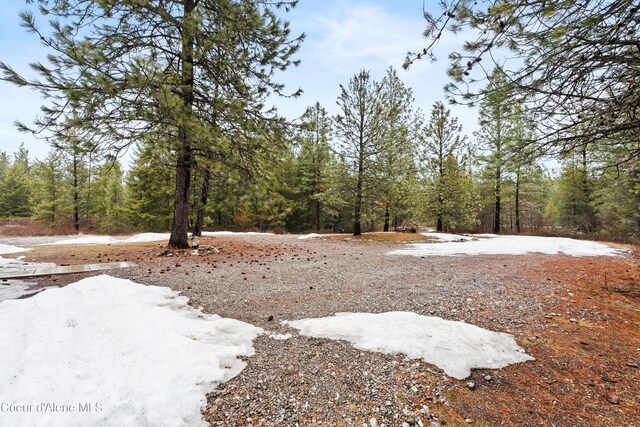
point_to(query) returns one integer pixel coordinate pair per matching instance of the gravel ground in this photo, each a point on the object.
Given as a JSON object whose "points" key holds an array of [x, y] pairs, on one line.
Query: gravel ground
{"points": [[305, 381], [264, 280]]}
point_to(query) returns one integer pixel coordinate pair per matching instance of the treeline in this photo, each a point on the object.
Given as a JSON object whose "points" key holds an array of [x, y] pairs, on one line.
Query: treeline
{"points": [[379, 163]]}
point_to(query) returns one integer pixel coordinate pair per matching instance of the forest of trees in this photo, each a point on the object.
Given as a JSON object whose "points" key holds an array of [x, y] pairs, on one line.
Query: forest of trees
{"points": [[378, 164], [185, 84]]}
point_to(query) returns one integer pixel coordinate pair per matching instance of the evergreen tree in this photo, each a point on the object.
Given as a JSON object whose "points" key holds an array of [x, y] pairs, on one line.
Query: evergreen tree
{"points": [[361, 127], [442, 145], [121, 69], [50, 190], [571, 63], [109, 212], [397, 159], [149, 188], [494, 135], [312, 163], [16, 186]]}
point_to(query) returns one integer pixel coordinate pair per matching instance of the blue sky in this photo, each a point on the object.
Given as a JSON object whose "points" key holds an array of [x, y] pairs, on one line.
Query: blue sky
{"points": [[342, 37]]}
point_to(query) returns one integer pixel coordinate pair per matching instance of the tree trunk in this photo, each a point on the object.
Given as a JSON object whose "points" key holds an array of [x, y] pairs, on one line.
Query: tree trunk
{"points": [[386, 217], [496, 223], [180, 229], [318, 215], [204, 195], [76, 195], [518, 201], [357, 228], [439, 225]]}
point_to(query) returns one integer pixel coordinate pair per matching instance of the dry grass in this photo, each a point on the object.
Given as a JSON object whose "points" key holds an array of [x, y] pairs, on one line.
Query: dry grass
{"points": [[379, 236], [23, 227]]}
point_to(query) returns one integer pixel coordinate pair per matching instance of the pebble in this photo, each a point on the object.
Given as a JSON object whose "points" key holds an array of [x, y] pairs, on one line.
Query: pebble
{"points": [[435, 424], [632, 365], [471, 385], [488, 378], [614, 400]]}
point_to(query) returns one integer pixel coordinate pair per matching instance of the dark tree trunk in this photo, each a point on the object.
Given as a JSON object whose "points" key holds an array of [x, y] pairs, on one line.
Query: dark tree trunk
{"points": [[76, 195], [357, 217], [496, 223], [386, 218], [180, 229], [439, 226], [318, 215], [204, 195], [518, 201]]}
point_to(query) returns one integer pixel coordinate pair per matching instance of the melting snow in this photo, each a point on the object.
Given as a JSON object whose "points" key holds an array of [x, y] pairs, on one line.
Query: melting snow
{"points": [[280, 337], [234, 233], [489, 244], [142, 238], [455, 347], [10, 249], [309, 236], [445, 237], [140, 352]]}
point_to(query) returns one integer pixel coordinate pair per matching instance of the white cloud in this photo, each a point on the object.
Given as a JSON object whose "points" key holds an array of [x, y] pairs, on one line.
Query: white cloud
{"points": [[363, 35]]}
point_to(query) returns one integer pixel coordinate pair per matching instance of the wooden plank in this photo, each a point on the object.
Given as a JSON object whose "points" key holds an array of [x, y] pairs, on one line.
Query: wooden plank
{"points": [[63, 269]]}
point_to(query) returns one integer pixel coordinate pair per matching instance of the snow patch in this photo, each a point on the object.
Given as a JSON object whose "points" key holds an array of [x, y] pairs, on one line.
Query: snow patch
{"points": [[10, 249], [87, 240], [234, 233], [446, 237], [510, 245], [280, 337], [148, 237], [309, 236], [455, 347], [139, 351]]}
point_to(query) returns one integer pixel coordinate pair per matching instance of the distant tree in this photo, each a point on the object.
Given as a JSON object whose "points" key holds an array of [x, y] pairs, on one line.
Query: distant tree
{"points": [[50, 190], [397, 158], [149, 188], [313, 161], [575, 194], [15, 189], [109, 212], [361, 127], [442, 144], [494, 137]]}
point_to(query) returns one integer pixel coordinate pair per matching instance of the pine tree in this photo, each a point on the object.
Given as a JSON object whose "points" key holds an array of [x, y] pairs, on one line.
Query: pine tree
{"points": [[149, 188], [442, 144], [16, 186], [571, 63], [50, 195], [361, 129], [109, 212], [312, 163], [494, 136], [397, 159], [120, 70]]}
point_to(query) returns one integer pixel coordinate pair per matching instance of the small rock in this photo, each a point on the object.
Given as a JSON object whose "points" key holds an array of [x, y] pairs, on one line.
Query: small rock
{"points": [[488, 378], [614, 400], [468, 420], [270, 318], [373, 422], [573, 320], [632, 365], [435, 424], [471, 385]]}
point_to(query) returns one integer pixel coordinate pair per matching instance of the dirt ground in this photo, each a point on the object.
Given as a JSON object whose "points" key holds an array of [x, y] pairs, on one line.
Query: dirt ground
{"points": [[579, 318]]}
